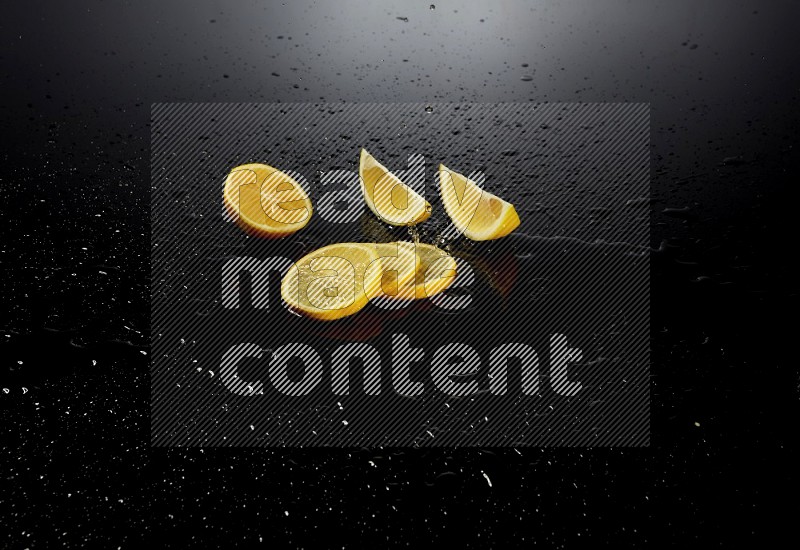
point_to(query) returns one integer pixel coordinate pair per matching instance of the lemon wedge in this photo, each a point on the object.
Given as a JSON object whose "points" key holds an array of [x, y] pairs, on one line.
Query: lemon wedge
{"points": [[389, 198], [332, 282], [478, 214], [265, 202]]}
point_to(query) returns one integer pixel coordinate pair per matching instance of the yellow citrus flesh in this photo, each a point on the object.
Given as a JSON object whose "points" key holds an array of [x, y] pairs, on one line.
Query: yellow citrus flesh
{"points": [[266, 202], [434, 271], [398, 265], [389, 198], [478, 214], [332, 282]]}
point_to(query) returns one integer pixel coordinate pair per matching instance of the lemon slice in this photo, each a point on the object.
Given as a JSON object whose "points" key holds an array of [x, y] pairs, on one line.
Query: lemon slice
{"points": [[265, 202], [332, 282], [435, 272], [398, 266], [389, 198], [478, 214], [432, 271]]}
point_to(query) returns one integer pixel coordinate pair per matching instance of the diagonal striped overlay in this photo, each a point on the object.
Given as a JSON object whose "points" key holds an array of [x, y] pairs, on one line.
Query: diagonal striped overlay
{"points": [[545, 342]]}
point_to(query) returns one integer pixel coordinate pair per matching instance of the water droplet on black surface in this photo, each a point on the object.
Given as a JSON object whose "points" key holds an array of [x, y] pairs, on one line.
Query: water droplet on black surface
{"points": [[684, 213], [733, 161]]}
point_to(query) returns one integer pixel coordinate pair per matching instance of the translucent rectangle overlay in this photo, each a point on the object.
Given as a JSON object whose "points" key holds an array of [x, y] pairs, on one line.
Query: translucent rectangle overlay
{"points": [[545, 342]]}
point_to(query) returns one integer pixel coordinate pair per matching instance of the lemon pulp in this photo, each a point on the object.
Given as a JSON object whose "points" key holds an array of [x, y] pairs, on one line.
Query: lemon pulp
{"points": [[432, 271], [266, 202], [478, 214], [332, 282], [389, 198]]}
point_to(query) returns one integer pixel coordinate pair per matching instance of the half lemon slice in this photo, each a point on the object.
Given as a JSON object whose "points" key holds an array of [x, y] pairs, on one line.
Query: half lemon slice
{"points": [[435, 272], [398, 265], [425, 271], [478, 214], [389, 198], [332, 282], [265, 202]]}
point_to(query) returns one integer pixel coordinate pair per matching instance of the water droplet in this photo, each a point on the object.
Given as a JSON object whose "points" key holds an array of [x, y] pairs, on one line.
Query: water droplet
{"points": [[432, 7], [413, 231], [526, 78], [428, 109]]}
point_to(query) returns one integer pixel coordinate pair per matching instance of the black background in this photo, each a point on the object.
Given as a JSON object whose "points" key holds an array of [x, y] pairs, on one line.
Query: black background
{"points": [[77, 80]]}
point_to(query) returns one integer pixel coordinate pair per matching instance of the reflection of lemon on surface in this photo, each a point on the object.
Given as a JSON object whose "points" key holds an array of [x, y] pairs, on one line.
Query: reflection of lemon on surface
{"points": [[499, 271], [478, 214], [266, 202], [432, 270], [389, 198], [332, 282]]}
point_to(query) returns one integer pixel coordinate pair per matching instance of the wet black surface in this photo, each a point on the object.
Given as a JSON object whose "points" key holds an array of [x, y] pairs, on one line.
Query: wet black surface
{"points": [[77, 82], [580, 270]]}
